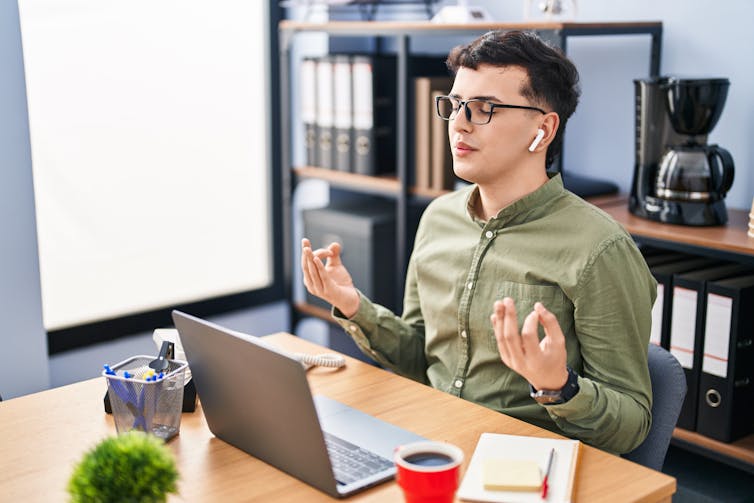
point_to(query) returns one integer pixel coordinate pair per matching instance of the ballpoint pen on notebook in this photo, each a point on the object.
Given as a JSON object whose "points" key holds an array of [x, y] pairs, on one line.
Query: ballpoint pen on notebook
{"points": [[547, 474]]}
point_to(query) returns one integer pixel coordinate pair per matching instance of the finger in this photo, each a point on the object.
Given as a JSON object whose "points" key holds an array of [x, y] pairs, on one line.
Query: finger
{"points": [[315, 278], [321, 273], [550, 324], [306, 255], [510, 319], [322, 253], [529, 337], [510, 334], [335, 249], [306, 267]]}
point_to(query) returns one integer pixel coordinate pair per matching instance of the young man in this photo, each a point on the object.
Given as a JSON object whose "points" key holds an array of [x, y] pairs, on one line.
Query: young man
{"points": [[520, 296]]}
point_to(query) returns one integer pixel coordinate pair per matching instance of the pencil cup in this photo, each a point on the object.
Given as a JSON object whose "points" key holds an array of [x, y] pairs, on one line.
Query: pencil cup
{"points": [[428, 472], [143, 400]]}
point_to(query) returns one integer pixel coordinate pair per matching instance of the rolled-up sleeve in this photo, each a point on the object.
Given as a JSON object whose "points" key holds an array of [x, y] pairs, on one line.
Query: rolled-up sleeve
{"points": [[612, 316], [394, 342]]}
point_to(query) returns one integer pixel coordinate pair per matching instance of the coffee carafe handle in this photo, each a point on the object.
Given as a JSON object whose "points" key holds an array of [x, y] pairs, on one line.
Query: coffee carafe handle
{"points": [[721, 182]]}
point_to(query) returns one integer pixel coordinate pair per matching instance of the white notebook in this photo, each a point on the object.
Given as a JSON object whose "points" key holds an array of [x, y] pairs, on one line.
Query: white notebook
{"points": [[514, 447]]}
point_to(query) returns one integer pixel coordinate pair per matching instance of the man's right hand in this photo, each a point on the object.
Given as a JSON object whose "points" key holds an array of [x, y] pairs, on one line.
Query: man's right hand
{"points": [[329, 280]]}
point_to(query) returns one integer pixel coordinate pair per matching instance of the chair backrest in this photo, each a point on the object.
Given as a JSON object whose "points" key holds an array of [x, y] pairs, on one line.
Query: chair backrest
{"points": [[668, 392]]}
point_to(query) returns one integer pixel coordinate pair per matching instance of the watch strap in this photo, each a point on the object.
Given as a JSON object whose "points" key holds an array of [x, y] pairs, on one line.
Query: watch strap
{"points": [[556, 397], [571, 387]]}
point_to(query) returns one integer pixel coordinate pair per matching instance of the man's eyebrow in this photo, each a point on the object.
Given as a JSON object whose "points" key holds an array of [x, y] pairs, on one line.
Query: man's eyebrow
{"points": [[488, 98]]}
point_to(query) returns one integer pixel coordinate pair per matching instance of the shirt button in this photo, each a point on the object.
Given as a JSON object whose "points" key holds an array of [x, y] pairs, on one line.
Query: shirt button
{"points": [[458, 383], [489, 234], [463, 333], [352, 328], [470, 285]]}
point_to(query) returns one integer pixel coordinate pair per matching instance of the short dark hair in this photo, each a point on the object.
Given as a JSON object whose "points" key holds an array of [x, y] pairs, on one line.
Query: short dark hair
{"points": [[553, 78]]}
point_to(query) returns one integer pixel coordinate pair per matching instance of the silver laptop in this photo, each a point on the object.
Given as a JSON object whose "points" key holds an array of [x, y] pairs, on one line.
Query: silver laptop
{"points": [[257, 398]]}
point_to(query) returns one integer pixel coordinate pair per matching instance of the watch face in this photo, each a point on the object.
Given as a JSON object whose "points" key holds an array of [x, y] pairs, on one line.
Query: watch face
{"points": [[547, 397], [550, 397]]}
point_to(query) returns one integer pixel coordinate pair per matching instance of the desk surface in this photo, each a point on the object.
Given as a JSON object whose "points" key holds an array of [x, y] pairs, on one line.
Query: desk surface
{"points": [[43, 435]]}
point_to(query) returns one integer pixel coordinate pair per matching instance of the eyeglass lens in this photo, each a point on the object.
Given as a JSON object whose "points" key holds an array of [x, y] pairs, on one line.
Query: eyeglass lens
{"points": [[477, 111]]}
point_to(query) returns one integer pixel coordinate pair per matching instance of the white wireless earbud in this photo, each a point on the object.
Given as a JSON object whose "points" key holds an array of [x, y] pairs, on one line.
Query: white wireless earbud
{"points": [[537, 139]]}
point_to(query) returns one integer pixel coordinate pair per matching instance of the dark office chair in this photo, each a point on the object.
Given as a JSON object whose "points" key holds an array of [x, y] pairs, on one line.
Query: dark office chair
{"points": [[668, 392]]}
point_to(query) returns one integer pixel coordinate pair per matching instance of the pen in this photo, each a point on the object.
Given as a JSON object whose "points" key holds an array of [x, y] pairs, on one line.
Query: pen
{"points": [[547, 474]]}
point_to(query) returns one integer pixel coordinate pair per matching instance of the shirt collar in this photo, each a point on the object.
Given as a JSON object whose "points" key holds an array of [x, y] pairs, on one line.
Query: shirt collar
{"points": [[525, 209]]}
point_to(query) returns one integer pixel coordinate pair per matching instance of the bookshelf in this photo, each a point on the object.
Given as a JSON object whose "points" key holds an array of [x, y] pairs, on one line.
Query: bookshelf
{"points": [[398, 188]]}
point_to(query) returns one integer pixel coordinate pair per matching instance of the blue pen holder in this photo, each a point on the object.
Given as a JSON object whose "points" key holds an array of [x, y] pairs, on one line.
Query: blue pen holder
{"points": [[143, 400]]}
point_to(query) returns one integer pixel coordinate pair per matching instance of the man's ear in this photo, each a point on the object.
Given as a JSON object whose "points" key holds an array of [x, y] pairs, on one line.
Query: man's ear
{"points": [[549, 126], [537, 139]]}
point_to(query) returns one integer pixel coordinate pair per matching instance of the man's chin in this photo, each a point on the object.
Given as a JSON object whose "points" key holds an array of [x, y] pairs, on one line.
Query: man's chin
{"points": [[464, 172]]}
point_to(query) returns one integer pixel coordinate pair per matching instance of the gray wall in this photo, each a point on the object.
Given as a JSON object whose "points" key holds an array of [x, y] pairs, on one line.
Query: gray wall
{"points": [[23, 343], [600, 138]]}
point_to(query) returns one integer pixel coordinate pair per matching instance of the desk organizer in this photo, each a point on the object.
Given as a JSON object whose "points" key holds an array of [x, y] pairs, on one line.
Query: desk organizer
{"points": [[140, 402]]}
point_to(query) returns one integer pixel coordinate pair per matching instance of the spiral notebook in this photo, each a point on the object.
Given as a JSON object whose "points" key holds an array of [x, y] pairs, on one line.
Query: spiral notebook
{"points": [[495, 446]]}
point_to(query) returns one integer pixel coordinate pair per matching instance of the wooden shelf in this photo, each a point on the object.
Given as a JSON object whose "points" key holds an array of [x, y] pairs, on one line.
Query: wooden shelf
{"points": [[426, 193], [316, 311], [741, 450], [608, 200], [381, 185], [425, 28], [730, 238]]}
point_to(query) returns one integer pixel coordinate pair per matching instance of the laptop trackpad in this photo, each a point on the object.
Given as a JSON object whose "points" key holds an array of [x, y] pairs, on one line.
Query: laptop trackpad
{"points": [[360, 428]]}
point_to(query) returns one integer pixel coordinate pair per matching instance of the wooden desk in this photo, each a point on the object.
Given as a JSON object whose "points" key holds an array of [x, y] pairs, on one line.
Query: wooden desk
{"points": [[43, 435]]}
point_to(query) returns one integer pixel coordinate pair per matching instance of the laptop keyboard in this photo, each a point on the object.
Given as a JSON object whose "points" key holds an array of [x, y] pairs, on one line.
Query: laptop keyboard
{"points": [[350, 462]]}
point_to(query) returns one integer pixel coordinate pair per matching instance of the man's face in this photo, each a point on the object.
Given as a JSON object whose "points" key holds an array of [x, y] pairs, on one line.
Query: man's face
{"points": [[493, 152]]}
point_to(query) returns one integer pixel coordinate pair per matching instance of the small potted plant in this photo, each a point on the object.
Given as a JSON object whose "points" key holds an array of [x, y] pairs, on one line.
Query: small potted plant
{"points": [[134, 467]]}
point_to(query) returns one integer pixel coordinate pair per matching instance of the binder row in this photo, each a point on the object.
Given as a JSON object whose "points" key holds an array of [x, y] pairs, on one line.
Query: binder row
{"points": [[348, 114], [348, 109], [433, 163], [703, 316]]}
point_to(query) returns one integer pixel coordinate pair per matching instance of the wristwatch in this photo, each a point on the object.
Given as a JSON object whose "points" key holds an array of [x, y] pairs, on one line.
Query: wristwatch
{"points": [[555, 397]]}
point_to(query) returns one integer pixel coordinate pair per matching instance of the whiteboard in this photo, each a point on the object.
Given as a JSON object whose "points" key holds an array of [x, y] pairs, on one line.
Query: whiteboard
{"points": [[149, 126]]}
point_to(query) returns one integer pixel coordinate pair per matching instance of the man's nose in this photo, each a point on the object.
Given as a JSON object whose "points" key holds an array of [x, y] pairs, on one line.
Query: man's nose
{"points": [[461, 120]]}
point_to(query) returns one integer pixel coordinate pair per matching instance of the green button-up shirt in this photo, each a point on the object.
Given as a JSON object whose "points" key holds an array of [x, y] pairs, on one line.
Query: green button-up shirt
{"points": [[549, 246]]}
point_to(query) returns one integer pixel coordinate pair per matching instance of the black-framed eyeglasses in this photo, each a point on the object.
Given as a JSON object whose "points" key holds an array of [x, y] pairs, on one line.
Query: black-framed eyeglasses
{"points": [[477, 111]]}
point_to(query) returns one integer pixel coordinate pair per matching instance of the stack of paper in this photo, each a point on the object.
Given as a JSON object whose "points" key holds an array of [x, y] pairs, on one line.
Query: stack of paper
{"points": [[522, 461]]}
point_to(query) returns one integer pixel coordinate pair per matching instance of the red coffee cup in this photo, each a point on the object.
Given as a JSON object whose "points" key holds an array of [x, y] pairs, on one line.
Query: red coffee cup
{"points": [[428, 472]]}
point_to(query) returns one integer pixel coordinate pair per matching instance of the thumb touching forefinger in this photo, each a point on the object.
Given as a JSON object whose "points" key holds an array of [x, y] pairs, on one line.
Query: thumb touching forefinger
{"points": [[548, 321], [335, 250]]}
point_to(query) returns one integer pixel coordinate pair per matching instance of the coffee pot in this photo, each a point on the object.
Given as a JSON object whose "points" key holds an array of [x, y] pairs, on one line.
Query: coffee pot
{"points": [[694, 173], [678, 177]]}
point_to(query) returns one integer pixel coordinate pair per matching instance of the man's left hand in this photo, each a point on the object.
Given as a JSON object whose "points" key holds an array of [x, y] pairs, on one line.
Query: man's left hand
{"points": [[542, 363]]}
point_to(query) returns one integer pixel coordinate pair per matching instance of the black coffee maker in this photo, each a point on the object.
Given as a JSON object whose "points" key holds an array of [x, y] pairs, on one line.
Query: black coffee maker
{"points": [[678, 177]]}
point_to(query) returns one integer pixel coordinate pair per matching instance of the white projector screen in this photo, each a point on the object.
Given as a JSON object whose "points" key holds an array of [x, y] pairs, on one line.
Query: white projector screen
{"points": [[149, 123]]}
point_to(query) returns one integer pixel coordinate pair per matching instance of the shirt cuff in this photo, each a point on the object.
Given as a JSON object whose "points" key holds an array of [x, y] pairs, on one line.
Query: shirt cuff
{"points": [[365, 316], [364, 320], [580, 406]]}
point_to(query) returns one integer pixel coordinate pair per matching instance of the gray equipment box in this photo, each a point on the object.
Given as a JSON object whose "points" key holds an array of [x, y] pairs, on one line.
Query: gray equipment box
{"points": [[367, 238]]}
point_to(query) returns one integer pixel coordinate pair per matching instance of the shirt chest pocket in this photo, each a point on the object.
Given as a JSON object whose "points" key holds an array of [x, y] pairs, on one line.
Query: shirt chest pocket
{"points": [[525, 296]]}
